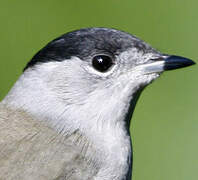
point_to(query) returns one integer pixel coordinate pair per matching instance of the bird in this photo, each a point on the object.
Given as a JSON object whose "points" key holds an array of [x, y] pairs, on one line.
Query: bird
{"points": [[68, 115]]}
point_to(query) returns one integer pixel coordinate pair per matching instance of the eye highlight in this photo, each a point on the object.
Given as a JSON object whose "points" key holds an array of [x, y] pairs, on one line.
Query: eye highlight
{"points": [[102, 63]]}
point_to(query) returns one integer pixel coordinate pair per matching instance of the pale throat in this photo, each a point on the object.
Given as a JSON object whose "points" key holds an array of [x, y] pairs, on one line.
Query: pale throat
{"points": [[102, 118], [99, 113]]}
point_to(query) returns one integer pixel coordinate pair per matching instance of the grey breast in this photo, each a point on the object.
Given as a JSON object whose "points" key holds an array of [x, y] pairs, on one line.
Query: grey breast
{"points": [[29, 150]]}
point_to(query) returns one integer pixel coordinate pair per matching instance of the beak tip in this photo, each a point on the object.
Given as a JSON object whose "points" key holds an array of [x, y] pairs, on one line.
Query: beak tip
{"points": [[175, 62]]}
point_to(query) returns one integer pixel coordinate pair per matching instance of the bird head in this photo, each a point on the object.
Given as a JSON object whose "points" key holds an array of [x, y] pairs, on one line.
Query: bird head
{"points": [[92, 75]]}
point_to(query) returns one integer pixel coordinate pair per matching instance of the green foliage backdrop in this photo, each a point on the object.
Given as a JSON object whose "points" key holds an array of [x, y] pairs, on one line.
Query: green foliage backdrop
{"points": [[165, 123]]}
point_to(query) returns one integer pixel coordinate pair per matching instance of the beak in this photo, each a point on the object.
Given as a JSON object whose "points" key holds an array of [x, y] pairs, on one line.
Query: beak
{"points": [[165, 63], [175, 62]]}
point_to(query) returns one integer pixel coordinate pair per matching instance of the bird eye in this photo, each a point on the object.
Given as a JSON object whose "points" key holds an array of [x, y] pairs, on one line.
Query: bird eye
{"points": [[102, 63]]}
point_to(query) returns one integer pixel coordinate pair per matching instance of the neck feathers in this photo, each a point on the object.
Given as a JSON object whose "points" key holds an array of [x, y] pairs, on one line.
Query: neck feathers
{"points": [[102, 118]]}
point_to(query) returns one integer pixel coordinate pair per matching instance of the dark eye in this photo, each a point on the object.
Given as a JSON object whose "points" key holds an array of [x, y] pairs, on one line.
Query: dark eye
{"points": [[102, 63]]}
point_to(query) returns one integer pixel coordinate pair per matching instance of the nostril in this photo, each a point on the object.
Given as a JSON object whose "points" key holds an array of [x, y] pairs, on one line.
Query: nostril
{"points": [[161, 58]]}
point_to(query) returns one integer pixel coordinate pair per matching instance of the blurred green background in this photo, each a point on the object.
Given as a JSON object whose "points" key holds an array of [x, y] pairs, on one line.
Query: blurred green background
{"points": [[165, 123]]}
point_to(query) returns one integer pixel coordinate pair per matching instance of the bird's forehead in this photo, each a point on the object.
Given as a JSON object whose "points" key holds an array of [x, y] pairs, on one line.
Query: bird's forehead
{"points": [[87, 42]]}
